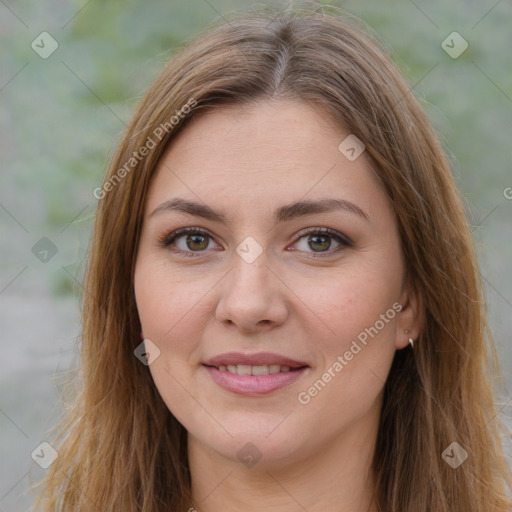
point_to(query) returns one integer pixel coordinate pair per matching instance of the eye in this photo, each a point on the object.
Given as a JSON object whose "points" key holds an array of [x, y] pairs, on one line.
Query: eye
{"points": [[188, 240], [320, 240]]}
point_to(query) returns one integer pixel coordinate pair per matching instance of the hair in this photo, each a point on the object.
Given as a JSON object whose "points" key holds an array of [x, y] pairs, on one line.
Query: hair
{"points": [[120, 448]]}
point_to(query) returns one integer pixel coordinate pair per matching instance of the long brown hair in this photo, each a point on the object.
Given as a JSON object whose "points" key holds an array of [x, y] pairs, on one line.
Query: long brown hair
{"points": [[122, 449]]}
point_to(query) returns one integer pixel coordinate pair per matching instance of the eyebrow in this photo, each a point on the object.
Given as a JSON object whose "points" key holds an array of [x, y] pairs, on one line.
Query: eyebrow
{"points": [[282, 214]]}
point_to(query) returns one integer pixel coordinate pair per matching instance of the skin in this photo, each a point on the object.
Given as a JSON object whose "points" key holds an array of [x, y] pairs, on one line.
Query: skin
{"points": [[248, 161]]}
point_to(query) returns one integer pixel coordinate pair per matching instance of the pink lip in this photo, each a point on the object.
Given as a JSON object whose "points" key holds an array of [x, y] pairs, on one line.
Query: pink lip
{"points": [[253, 359], [254, 385]]}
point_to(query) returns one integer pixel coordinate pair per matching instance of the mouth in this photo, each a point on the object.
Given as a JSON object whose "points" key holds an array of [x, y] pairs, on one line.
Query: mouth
{"points": [[255, 374], [260, 369]]}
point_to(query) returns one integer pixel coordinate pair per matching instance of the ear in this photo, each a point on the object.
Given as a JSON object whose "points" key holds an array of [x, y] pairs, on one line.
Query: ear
{"points": [[409, 318]]}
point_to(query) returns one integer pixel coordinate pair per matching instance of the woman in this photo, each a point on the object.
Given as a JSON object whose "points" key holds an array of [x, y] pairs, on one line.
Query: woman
{"points": [[282, 306]]}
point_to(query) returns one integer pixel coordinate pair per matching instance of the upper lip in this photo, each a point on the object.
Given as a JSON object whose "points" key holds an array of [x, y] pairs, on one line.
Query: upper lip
{"points": [[261, 358]]}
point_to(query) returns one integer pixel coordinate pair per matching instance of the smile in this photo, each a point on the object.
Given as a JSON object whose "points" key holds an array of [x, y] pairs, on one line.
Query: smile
{"points": [[247, 369], [255, 374]]}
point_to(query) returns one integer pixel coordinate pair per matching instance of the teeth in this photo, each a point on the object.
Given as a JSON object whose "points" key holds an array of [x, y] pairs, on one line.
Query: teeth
{"points": [[260, 370], [247, 369], [244, 369]]}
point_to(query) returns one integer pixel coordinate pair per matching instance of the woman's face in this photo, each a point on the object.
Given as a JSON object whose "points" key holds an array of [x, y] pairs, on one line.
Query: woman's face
{"points": [[277, 314]]}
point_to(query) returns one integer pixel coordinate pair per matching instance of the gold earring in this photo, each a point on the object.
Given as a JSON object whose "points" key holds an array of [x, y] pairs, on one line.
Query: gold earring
{"points": [[411, 342]]}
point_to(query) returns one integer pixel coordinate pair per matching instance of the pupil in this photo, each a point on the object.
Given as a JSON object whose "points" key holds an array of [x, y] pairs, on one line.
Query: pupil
{"points": [[314, 240], [196, 239]]}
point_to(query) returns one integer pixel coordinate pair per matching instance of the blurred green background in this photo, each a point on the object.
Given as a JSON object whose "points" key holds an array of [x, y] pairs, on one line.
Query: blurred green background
{"points": [[60, 119]]}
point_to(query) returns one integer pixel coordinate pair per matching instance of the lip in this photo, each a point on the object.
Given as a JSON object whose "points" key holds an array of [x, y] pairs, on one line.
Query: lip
{"points": [[259, 358], [254, 385]]}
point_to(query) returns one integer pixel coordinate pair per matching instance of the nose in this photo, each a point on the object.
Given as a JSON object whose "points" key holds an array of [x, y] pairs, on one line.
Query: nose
{"points": [[252, 297]]}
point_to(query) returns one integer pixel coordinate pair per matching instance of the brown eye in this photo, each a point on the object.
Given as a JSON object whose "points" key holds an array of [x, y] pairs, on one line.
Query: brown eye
{"points": [[187, 241], [197, 242], [319, 242]]}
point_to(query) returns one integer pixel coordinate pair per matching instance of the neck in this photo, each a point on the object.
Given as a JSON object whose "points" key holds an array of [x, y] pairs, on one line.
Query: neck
{"points": [[337, 477]]}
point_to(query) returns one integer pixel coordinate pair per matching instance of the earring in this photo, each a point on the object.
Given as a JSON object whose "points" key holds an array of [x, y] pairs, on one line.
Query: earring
{"points": [[411, 341]]}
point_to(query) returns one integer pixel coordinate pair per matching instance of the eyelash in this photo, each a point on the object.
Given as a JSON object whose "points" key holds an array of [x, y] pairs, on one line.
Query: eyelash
{"points": [[168, 239]]}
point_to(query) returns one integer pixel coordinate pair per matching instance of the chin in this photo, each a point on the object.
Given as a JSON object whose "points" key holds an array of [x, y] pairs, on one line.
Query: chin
{"points": [[259, 448]]}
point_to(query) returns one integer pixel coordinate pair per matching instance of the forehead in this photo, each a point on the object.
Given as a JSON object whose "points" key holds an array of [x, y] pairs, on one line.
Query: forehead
{"points": [[261, 156]]}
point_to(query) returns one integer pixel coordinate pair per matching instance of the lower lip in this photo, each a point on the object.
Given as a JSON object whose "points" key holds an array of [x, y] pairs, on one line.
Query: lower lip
{"points": [[254, 385]]}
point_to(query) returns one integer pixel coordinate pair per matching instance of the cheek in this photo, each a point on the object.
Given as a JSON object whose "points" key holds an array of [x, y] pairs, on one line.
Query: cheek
{"points": [[344, 304], [356, 338], [170, 306], [171, 311]]}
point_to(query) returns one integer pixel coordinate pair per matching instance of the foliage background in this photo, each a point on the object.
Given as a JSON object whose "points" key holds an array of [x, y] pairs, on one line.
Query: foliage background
{"points": [[60, 119]]}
